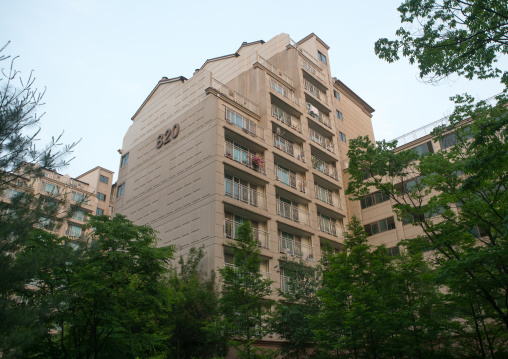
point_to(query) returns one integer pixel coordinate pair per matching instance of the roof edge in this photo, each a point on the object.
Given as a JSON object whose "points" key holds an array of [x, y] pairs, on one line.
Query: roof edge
{"points": [[317, 38], [343, 86], [163, 80]]}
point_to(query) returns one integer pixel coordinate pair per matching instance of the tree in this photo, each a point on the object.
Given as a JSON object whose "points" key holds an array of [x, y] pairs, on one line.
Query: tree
{"points": [[20, 163], [375, 306], [445, 37], [194, 301], [243, 304], [102, 300], [291, 314], [456, 196]]}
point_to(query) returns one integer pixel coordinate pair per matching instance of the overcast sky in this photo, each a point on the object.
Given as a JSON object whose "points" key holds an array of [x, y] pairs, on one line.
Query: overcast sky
{"points": [[100, 59]]}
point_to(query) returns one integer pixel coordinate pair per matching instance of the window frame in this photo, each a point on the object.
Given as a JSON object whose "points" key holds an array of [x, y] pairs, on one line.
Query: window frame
{"points": [[339, 115], [100, 196], [322, 58], [342, 137], [101, 179], [336, 94], [124, 160], [120, 190]]}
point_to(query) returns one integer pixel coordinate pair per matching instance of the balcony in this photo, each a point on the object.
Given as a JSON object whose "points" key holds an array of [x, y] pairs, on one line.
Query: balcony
{"points": [[235, 96], [244, 194], [286, 118], [245, 157], [284, 91], [330, 227], [324, 167], [275, 70], [328, 197], [313, 71], [289, 147], [231, 227], [291, 179], [294, 213], [318, 115], [321, 140], [296, 249], [314, 91], [248, 126]]}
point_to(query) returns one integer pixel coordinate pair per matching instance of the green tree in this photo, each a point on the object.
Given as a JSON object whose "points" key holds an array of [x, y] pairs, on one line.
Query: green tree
{"points": [[375, 306], [243, 304], [194, 301], [291, 314], [101, 300], [465, 37], [456, 196], [21, 162]]}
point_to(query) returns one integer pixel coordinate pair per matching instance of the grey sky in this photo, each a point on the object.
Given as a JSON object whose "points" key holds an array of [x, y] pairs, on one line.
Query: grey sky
{"points": [[100, 59]]}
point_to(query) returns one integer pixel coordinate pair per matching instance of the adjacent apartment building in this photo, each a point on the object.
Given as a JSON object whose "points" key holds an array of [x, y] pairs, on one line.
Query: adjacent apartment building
{"points": [[91, 192], [259, 135]]}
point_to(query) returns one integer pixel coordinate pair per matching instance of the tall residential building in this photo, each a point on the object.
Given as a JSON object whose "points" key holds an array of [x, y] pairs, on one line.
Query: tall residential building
{"points": [[84, 191], [258, 135]]}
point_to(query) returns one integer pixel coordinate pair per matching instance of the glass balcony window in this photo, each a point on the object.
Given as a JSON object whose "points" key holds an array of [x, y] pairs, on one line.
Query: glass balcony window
{"points": [[244, 193]]}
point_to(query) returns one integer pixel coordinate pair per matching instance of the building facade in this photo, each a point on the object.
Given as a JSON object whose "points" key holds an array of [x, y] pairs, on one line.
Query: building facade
{"points": [[82, 192], [259, 135]]}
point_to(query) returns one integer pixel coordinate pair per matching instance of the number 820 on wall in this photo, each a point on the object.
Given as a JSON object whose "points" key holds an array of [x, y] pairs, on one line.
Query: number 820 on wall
{"points": [[170, 134]]}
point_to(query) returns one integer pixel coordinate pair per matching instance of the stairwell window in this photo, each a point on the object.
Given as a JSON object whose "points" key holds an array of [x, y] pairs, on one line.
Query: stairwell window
{"points": [[343, 137], [336, 94], [380, 226], [120, 190], [125, 160], [322, 57], [339, 115]]}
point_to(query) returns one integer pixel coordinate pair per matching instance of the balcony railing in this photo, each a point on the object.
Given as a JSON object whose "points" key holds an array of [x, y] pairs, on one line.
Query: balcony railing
{"points": [[313, 71], [264, 275], [275, 70], [244, 194], [318, 115], [231, 228], [244, 157], [294, 213], [296, 249], [237, 97], [286, 118], [245, 124], [291, 179], [289, 147], [314, 91], [321, 140], [325, 167], [330, 227], [329, 197], [284, 91]]}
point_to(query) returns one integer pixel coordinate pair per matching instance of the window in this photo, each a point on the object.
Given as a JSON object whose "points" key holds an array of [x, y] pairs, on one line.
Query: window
{"points": [[78, 197], [336, 94], [125, 160], [381, 226], [50, 188], [101, 196], [99, 212], [79, 215], [448, 141], [373, 199], [120, 190], [339, 115], [74, 231], [11, 193], [424, 148], [342, 137], [236, 119], [393, 251], [103, 179], [20, 183], [322, 57]]}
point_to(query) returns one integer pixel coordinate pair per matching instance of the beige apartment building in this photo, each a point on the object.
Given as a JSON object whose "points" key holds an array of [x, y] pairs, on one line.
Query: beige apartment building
{"points": [[259, 135], [84, 191]]}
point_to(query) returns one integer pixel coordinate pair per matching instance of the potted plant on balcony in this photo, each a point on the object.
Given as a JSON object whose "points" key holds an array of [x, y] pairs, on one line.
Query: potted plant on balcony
{"points": [[257, 162]]}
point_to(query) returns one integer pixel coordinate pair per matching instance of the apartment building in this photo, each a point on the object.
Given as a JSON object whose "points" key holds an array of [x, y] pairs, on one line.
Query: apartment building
{"points": [[259, 135], [57, 188]]}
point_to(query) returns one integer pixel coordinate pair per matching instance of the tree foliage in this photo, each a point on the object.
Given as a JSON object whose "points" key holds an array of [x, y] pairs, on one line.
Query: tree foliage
{"points": [[291, 314], [101, 300], [242, 319], [21, 161], [443, 37]]}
